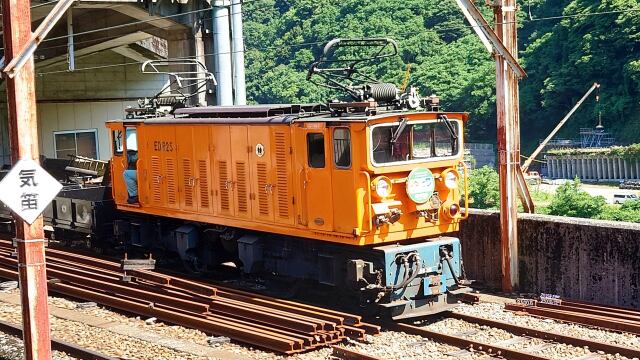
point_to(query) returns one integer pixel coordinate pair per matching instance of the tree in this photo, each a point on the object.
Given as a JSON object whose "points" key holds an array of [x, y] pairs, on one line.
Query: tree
{"points": [[629, 211], [483, 188], [570, 200]]}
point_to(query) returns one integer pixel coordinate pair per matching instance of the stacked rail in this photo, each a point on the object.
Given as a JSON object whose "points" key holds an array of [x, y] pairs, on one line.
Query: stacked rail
{"points": [[584, 313], [279, 325]]}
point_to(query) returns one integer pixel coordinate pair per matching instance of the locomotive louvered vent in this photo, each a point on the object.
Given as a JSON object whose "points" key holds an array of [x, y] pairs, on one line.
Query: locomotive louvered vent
{"points": [[204, 184], [187, 176], [263, 196], [155, 179], [171, 181], [282, 185], [222, 185], [241, 174]]}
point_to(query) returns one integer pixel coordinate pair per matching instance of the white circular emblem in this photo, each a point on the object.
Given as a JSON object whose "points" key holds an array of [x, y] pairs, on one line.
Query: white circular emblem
{"points": [[260, 150]]}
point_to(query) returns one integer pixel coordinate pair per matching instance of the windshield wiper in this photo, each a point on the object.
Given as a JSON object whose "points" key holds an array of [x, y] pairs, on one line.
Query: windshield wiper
{"points": [[449, 125], [399, 130]]}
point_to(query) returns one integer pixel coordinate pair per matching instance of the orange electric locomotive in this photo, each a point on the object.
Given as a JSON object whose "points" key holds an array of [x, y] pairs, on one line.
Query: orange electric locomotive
{"points": [[354, 195]]}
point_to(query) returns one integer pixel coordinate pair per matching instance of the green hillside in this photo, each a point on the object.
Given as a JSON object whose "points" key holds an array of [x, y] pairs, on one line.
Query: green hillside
{"points": [[563, 57]]}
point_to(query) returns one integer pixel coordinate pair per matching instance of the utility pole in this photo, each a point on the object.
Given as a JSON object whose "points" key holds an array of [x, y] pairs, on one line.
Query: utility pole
{"points": [[503, 45], [23, 134], [507, 99]]}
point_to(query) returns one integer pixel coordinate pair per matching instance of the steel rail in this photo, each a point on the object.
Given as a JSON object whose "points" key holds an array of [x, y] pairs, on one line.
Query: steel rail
{"points": [[578, 318], [349, 354], [58, 345], [589, 305], [466, 343], [547, 335], [270, 323], [589, 310]]}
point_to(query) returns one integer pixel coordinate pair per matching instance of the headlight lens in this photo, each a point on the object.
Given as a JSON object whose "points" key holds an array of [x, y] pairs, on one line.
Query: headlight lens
{"points": [[451, 180], [383, 187]]}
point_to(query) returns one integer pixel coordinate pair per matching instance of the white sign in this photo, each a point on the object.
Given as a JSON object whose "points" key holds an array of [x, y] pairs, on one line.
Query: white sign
{"points": [[260, 150], [27, 189]]}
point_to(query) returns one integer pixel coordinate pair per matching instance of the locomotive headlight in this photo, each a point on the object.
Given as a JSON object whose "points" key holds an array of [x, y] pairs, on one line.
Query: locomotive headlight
{"points": [[382, 186], [451, 179]]}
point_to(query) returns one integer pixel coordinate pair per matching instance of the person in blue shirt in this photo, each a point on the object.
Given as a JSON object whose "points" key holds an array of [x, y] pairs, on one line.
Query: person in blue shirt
{"points": [[131, 172]]}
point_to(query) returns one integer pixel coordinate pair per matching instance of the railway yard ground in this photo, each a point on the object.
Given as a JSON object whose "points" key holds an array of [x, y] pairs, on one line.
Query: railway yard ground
{"points": [[128, 336]]}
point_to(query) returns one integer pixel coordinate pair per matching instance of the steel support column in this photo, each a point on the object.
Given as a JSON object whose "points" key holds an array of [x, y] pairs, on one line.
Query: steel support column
{"points": [[507, 101], [23, 135]]}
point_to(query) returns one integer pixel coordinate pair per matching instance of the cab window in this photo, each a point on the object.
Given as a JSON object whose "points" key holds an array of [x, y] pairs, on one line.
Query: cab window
{"points": [[315, 150], [117, 142], [342, 148]]}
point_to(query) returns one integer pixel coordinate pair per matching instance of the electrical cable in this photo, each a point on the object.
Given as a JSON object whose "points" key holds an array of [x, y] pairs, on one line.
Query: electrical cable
{"points": [[283, 45]]}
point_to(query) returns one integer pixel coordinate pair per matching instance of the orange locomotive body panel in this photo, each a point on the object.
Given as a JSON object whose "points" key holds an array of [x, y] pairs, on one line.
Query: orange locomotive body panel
{"points": [[310, 177]]}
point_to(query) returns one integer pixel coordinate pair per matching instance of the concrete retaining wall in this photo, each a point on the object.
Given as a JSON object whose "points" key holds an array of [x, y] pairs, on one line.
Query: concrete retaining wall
{"points": [[593, 168], [590, 260]]}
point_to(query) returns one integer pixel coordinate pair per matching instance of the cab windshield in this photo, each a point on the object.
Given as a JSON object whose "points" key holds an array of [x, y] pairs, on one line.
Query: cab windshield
{"points": [[415, 141]]}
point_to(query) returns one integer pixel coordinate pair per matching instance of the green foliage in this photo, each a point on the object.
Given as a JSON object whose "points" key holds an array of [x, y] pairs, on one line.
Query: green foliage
{"points": [[562, 57], [484, 190], [626, 152], [629, 211], [283, 37], [570, 200]]}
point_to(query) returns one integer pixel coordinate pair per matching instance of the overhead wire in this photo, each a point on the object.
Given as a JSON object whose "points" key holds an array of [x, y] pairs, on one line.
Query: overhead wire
{"points": [[275, 46]]}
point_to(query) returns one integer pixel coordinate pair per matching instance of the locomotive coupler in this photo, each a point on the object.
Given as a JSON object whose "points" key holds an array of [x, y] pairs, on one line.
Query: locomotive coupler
{"points": [[389, 218]]}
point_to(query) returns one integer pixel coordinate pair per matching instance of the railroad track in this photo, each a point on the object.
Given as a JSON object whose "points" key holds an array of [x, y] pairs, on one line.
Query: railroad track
{"points": [[279, 325], [59, 345], [282, 326], [480, 336], [526, 343], [583, 313]]}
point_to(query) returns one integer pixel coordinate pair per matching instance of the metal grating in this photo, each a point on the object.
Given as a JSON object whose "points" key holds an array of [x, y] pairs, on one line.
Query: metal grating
{"points": [[187, 179], [282, 183], [203, 175], [171, 181], [241, 177], [155, 179], [223, 181], [263, 196]]}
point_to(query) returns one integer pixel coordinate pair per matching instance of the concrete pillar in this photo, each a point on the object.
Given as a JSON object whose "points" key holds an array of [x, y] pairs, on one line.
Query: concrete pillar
{"points": [[620, 169], [549, 168], [180, 45], [222, 52], [572, 164], [614, 168], [581, 172], [609, 168]]}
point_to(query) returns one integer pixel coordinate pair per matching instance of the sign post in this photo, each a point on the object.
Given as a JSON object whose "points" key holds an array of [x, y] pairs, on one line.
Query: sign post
{"points": [[23, 136]]}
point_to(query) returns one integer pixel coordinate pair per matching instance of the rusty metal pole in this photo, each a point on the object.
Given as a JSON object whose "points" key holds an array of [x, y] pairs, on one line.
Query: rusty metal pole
{"points": [[507, 101], [23, 135]]}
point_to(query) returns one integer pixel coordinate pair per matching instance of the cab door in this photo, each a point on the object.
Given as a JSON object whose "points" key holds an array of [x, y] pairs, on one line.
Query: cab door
{"points": [[187, 183], [241, 170], [223, 179], [118, 163], [316, 179], [262, 186]]}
